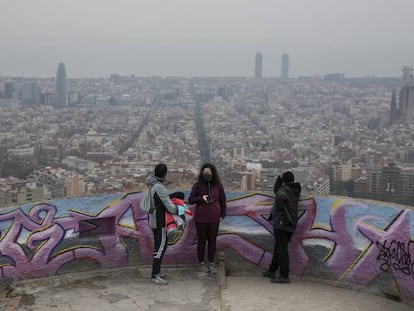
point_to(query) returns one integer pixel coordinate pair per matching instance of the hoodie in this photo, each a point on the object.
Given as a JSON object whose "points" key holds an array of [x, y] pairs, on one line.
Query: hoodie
{"points": [[285, 207], [162, 203]]}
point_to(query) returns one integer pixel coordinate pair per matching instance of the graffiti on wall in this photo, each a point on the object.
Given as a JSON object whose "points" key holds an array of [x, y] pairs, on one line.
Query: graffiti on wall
{"points": [[348, 241]]}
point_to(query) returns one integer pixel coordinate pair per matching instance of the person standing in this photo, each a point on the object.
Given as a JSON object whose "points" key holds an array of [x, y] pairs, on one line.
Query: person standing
{"points": [[210, 208], [284, 217], [156, 220]]}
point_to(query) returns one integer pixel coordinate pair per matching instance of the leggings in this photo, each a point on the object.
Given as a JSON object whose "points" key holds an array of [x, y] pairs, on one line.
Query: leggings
{"points": [[207, 232]]}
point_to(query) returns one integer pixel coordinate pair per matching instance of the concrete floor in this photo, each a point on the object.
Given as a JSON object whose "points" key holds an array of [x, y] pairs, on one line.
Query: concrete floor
{"points": [[188, 289]]}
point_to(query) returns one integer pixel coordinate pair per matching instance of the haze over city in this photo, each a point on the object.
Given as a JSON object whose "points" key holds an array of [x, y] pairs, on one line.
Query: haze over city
{"points": [[94, 93], [95, 38]]}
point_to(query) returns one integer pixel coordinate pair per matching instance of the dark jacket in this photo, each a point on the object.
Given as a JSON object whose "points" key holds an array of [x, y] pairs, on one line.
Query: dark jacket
{"points": [[285, 207], [208, 212]]}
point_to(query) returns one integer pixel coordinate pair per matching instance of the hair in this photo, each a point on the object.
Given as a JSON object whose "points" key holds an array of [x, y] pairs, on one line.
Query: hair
{"points": [[214, 175], [288, 177], [160, 170]]}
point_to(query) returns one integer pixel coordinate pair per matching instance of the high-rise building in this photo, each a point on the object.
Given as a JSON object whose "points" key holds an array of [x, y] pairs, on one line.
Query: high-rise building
{"points": [[407, 75], [258, 65], [405, 110], [61, 87], [285, 67], [407, 183], [8, 90]]}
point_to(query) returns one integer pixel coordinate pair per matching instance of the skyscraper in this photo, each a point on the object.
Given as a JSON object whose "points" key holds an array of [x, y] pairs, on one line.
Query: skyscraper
{"points": [[405, 110], [8, 89], [61, 87], [285, 67], [258, 65]]}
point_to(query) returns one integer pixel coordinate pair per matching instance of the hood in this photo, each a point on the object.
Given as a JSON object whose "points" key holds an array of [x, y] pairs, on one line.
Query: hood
{"points": [[151, 181]]}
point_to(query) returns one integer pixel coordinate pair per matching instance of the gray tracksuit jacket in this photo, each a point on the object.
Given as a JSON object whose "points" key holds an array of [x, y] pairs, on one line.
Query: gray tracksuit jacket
{"points": [[162, 202]]}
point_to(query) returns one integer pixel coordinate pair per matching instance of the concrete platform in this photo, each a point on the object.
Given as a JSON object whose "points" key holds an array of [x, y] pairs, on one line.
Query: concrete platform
{"points": [[130, 289]]}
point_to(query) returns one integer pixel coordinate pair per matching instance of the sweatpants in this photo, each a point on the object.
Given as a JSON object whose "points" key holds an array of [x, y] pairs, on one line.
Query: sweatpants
{"points": [[280, 253], [207, 233], [160, 246]]}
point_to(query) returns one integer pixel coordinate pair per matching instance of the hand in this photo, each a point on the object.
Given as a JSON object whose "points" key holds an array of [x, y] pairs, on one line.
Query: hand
{"points": [[205, 198]]}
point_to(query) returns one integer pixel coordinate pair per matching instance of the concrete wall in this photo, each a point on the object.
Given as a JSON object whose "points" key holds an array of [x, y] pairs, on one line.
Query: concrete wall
{"points": [[352, 243]]}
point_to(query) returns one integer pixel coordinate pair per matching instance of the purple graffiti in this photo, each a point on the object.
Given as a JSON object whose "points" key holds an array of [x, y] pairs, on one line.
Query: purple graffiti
{"points": [[38, 243], [369, 265]]}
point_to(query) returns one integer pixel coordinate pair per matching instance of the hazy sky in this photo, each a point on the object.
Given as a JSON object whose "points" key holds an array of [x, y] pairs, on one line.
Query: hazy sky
{"points": [[95, 38]]}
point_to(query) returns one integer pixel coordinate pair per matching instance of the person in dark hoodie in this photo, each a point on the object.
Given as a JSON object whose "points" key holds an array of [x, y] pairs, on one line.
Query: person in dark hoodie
{"points": [[284, 216], [156, 220]]}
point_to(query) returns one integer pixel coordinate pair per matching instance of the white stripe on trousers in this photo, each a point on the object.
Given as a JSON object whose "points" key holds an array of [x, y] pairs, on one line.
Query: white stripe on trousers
{"points": [[162, 244]]}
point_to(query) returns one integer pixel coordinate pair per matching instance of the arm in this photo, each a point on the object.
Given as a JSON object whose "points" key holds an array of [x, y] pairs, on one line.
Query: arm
{"points": [[195, 195], [222, 199], [278, 184], [165, 198]]}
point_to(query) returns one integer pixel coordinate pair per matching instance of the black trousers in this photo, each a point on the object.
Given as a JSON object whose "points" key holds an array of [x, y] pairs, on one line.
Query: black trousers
{"points": [[160, 246], [280, 253]]}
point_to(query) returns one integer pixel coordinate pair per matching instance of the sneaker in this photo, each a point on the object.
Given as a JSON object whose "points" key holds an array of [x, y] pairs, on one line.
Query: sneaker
{"points": [[268, 274], [203, 267], [280, 280], [212, 267], [159, 280]]}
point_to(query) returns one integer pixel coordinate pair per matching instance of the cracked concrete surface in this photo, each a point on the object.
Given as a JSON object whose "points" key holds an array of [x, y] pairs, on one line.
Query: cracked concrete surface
{"points": [[188, 290]]}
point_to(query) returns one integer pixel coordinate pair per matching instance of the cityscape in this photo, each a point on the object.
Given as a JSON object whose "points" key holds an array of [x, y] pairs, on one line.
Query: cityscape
{"points": [[94, 95], [67, 137]]}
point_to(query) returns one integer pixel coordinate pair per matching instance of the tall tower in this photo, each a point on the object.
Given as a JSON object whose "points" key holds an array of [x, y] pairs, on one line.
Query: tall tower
{"points": [[258, 65], [407, 75], [61, 87], [406, 100], [285, 67], [8, 90]]}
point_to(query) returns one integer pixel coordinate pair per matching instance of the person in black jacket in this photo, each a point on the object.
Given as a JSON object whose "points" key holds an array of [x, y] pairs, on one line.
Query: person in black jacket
{"points": [[284, 216]]}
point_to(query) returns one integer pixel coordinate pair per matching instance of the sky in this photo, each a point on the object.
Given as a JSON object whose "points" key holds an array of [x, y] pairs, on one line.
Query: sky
{"points": [[95, 38]]}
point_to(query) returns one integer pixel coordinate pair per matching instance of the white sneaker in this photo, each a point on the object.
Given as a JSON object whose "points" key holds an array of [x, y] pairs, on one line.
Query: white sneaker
{"points": [[203, 267], [159, 280], [212, 267]]}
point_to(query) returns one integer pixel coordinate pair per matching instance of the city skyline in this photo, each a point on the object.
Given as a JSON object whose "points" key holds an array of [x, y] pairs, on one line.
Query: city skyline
{"points": [[184, 38], [341, 136]]}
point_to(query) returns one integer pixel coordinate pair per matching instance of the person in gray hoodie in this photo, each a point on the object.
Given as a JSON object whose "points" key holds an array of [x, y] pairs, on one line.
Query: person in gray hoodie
{"points": [[156, 220], [284, 216]]}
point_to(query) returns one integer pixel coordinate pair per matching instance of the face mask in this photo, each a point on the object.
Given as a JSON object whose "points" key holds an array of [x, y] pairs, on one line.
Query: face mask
{"points": [[207, 176]]}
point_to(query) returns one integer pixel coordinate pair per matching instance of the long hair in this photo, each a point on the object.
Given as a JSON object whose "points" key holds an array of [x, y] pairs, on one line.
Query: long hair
{"points": [[215, 178]]}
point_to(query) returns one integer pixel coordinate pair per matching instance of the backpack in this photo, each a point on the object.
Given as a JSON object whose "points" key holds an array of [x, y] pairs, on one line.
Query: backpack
{"points": [[147, 201]]}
